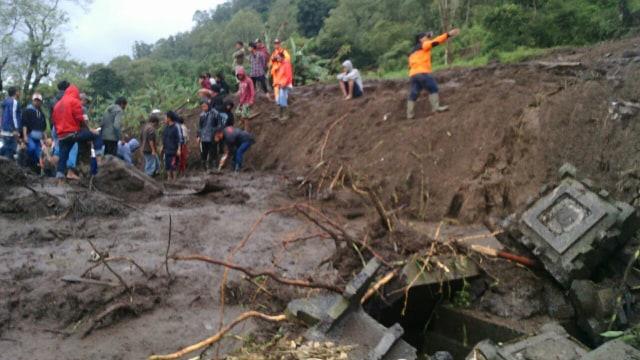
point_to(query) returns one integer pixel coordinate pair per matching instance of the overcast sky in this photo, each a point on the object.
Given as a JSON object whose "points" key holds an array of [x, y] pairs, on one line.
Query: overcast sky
{"points": [[110, 27]]}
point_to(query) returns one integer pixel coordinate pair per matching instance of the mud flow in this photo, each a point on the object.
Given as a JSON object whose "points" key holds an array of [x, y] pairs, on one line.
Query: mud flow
{"points": [[128, 267]]}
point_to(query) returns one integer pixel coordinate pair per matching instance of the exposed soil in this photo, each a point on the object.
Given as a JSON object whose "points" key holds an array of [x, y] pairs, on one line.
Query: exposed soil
{"points": [[509, 129]]}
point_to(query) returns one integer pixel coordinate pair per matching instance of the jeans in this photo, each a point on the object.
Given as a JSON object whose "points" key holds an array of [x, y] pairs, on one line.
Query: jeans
{"points": [[73, 154], [239, 156], [10, 147], [421, 82], [151, 164], [33, 150], [67, 143], [283, 96]]}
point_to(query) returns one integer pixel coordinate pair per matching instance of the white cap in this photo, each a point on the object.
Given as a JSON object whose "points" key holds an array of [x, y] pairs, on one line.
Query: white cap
{"points": [[36, 96], [156, 111]]}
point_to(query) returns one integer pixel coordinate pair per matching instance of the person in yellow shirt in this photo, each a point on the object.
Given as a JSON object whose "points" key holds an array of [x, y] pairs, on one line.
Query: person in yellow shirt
{"points": [[420, 70]]}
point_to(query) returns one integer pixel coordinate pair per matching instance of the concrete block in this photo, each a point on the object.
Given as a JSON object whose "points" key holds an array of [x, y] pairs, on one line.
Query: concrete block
{"points": [[572, 229]]}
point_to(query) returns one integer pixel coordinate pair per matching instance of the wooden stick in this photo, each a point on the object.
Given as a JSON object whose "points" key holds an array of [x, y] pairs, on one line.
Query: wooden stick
{"points": [[384, 218], [215, 338], [254, 274], [124, 283], [166, 254], [112, 259], [478, 237], [503, 254], [374, 289], [326, 136]]}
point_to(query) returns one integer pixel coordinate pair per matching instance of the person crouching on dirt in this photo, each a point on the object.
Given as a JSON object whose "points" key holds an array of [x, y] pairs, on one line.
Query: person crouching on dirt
{"points": [[149, 145], [247, 95], [283, 81], [71, 128], [350, 81], [126, 148], [48, 161], [420, 70], [171, 148], [206, 125], [237, 142]]}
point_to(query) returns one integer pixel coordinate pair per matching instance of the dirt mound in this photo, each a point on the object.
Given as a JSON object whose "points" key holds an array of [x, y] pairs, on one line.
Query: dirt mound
{"points": [[125, 182], [509, 129]]}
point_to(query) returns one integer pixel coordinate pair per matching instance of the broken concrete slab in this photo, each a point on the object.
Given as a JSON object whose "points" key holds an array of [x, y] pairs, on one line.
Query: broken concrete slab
{"points": [[341, 320], [594, 306], [125, 182], [468, 234], [439, 270], [575, 227], [616, 349], [457, 330], [552, 342]]}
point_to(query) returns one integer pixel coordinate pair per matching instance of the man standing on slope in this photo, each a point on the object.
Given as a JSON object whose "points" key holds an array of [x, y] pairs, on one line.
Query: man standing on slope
{"points": [[11, 124], [112, 126], [247, 95], [420, 70], [284, 81], [277, 50]]}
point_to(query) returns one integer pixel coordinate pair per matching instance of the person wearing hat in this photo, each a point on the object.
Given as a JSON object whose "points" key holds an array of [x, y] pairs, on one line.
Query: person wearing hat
{"points": [[34, 127], [149, 144], [420, 70], [277, 49], [283, 80], [350, 81]]}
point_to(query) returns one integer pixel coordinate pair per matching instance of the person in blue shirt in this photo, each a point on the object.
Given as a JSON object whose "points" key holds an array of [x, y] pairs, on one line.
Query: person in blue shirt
{"points": [[171, 145], [11, 124]]}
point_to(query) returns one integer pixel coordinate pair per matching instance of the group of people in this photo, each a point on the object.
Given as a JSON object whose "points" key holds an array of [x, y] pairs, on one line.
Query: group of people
{"points": [[24, 135]]}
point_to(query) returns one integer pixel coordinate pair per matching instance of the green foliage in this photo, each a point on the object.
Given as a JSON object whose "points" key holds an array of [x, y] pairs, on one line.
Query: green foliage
{"points": [[104, 82], [312, 13], [307, 68]]}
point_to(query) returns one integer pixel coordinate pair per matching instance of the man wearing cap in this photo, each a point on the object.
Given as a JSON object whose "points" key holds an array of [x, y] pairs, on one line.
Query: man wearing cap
{"points": [[112, 126], [284, 82], [34, 126], [277, 49], [149, 144], [350, 81], [420, 70]]}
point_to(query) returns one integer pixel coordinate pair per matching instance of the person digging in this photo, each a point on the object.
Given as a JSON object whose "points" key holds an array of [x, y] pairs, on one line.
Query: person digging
{"points": [[420, 70]]}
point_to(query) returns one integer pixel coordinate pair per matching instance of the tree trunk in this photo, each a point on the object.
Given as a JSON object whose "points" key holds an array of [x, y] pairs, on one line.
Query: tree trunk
{"points": [[625, 13]]}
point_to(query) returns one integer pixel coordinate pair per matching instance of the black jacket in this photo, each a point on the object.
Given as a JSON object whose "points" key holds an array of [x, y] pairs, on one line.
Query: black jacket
{"points": [[171, 139], [34, 119]]}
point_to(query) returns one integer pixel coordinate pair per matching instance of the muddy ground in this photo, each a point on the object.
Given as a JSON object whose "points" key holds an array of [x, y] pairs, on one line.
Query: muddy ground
{"points": [[509, 129]]}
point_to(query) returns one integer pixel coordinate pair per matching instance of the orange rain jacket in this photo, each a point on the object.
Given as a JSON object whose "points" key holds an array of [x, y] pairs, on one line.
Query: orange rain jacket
{"points": [[274, 63], [420, 58]]}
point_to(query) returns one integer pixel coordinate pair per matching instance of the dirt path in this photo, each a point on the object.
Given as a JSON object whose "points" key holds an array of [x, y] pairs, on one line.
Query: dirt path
{"points": [[37, 307]]}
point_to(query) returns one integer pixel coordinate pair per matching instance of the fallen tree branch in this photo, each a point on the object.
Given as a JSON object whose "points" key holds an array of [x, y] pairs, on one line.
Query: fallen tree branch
{"points": [[102, 258], [254, 274], [384, 217], [166, 254], [382, 282], [108, 311], [215, 338], [112, 259]]}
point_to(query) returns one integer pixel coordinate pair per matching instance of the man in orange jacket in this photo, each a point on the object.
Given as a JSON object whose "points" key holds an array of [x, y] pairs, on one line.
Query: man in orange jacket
{"points": [[283, 81], [273, 62], [420, 70]]}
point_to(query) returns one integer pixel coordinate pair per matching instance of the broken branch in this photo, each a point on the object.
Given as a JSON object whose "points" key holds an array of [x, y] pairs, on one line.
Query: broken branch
{"points": [[215, 338], [254, 274]]}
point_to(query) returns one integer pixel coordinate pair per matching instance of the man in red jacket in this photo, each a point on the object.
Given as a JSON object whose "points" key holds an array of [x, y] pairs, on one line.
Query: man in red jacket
{"points": [[71, 127], [283, 81], [247, 94]]}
